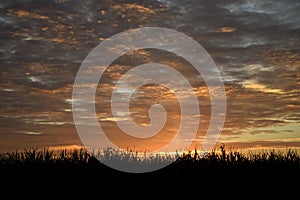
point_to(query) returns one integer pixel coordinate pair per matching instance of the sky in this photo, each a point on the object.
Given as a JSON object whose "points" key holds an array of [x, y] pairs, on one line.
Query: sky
{"points": [[255, 44]]}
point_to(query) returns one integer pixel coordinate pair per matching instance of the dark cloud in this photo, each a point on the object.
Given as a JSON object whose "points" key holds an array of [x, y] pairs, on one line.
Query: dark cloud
{"points": [[254, 43]]}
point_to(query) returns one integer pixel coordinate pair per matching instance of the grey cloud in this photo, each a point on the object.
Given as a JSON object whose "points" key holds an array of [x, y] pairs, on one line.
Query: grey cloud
{"points": [[44, 42]]}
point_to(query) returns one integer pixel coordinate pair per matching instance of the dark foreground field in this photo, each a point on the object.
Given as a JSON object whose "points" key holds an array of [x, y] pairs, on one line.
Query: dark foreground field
{"points": [[226, 175]]}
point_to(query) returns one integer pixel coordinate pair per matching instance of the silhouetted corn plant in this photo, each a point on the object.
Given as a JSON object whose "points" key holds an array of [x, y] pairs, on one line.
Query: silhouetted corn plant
{"points": [[82, 157]]}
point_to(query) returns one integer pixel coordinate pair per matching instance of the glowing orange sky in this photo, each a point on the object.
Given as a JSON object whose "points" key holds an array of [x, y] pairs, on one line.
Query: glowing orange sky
{"points": [[255, 48]]}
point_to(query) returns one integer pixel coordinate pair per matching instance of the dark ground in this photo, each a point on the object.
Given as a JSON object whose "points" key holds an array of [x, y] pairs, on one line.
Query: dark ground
{"points": [[189, 178]]}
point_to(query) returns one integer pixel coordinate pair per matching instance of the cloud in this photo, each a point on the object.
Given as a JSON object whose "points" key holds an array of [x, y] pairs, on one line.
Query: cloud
{"points": [[254, 43]]}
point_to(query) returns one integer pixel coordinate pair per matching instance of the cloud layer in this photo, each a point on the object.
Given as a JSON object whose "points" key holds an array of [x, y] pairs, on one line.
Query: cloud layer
{"points": [[254, 43]]}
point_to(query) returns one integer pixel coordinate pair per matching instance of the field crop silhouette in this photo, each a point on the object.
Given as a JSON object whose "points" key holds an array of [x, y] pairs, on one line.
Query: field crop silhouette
{"points": [[217, 175]]}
